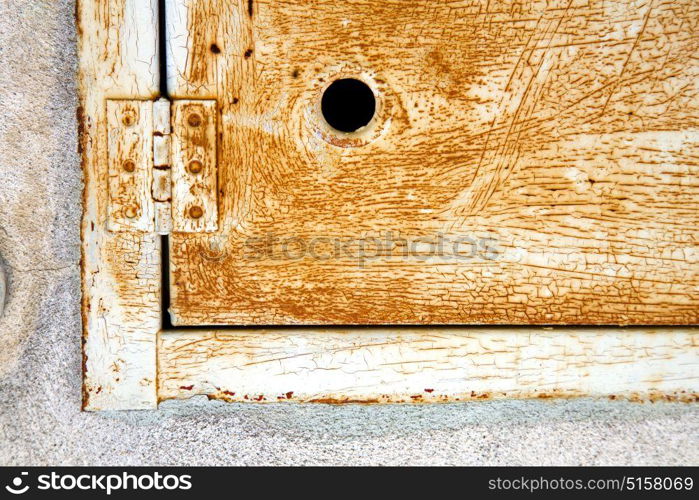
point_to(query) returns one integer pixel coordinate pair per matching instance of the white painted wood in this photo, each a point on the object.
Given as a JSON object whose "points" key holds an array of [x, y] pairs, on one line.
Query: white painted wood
{"points": [[176, 31], [129, 39], [179, 46], [121, 271], [426, 365]]}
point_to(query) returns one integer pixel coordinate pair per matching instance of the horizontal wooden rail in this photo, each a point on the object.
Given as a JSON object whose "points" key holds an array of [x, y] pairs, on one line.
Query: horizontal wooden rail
{"points": [[429, 365]]}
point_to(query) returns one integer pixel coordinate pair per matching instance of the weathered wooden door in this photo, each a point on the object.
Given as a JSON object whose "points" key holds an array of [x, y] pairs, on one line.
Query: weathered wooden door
{"points": [[526, 162], [421, 167]]}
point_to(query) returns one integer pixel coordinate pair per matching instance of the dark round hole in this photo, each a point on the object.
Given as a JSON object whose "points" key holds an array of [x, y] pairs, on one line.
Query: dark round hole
{"points": [[348, 104]]}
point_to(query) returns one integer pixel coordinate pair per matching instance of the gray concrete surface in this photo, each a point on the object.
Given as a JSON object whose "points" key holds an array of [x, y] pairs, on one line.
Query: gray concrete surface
{"points": [[40, 361]]}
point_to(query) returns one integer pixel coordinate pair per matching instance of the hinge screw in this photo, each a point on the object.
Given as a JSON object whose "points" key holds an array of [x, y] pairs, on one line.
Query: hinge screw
{"points": [[131, 211], [128, 118], [196, 212], [195, 166], [129, 166], [194, 120]]}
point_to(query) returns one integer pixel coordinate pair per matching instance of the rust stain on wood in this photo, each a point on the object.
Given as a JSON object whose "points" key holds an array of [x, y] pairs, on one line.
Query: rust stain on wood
{"points": [[560, 136], [556, 141], [636, 397]]}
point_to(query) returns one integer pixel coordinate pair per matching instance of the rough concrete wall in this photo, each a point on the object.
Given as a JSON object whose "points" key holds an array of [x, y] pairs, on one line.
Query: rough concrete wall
{"points": [[40, 361]]}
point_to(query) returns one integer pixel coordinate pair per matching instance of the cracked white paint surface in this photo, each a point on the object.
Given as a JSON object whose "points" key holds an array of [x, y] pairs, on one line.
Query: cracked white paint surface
{"points": [[419, 365], [121, 281]]}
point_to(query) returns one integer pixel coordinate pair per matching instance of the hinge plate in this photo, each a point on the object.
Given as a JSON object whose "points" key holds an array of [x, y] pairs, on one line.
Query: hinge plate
{"points": [[194, 186], [130, 136]]}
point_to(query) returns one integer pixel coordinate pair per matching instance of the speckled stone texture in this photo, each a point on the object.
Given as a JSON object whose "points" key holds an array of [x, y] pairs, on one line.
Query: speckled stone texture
{"points": [[40, 361]]}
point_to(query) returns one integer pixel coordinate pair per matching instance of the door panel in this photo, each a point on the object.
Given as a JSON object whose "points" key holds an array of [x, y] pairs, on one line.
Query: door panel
{"points": [[528, 163]]}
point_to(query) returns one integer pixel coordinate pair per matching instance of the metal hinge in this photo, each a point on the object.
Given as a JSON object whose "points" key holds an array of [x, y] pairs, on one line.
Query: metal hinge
{"points": [[162, 166]]}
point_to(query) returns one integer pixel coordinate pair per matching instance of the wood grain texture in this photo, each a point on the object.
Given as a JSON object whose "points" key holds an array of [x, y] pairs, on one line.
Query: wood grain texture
{"points": [[194, 176], [560, 137], [412, 365], [120, 271], [130, 131]]}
